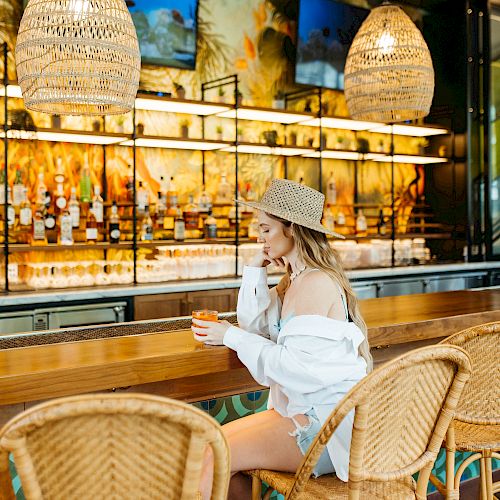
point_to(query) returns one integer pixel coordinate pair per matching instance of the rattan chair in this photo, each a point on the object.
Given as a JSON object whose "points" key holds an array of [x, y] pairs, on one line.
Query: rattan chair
{"points": [[476, 426], [402, 412], [112, 446]]}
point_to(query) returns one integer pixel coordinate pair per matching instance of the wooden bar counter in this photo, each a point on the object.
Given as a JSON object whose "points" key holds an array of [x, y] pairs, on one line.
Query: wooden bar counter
{"points": [[175, 365]]}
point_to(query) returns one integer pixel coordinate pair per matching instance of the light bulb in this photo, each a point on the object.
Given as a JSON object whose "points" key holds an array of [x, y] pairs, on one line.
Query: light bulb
{"points": [[386, 42]]}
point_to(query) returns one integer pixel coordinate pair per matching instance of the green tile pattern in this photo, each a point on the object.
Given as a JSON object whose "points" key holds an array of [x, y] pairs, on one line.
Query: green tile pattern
{"points": [[230, 408]]}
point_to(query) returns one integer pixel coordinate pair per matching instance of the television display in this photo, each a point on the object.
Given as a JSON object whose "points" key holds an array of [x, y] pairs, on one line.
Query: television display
{"points": [[326, 29], [166, 30]]}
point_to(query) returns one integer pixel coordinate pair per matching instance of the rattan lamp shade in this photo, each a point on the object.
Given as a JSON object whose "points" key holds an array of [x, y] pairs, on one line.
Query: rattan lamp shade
{"points": [[78, 57], [388, 74]]}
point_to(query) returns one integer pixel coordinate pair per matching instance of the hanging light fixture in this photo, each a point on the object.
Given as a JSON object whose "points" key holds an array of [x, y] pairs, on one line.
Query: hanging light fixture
{"points": [[388, 74], [78, 57]]}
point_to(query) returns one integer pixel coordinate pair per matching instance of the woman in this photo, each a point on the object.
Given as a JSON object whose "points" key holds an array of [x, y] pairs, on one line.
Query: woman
{"points": [[305, 339]]}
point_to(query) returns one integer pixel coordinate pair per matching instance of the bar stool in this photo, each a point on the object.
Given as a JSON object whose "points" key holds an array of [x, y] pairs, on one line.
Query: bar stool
{"points": [[112, 446], [402, 411], [476, 425]]}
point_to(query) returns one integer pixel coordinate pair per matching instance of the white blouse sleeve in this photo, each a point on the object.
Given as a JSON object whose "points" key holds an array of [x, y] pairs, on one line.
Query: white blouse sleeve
{"points": [[307, 357], [258, 308]]}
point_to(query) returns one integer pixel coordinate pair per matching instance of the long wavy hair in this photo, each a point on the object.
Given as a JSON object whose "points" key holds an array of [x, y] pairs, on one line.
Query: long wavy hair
{"points": [[315, 251]]}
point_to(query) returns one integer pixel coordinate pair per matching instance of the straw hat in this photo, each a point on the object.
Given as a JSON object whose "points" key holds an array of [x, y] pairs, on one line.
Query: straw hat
{"points": [[294, 202]]}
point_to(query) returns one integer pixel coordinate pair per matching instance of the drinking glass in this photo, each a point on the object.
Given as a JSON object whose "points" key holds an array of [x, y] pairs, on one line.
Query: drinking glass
{"points": [[205, 315]]}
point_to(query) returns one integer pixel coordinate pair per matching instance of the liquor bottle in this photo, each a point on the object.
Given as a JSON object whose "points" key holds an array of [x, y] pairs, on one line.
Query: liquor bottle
{"points": [[331, 190], [60, 174], [164, 186], [381, 225], [210, 227], [254, 228], [361, 226], [340, 217], [191, 215], [172, 198], [41, 189], [224, 191], [2, 185], [91, 226], [179, 227], [39, 237], [11, 213], [61, 201], [18, 189], [66, 228], [160, 211], [85, 184], [74, 209], [328, 219], [250, 193], [147, 226], [114, 224], [232, 216], [50, 218], [204, 202], [25, 213], [142, 199], [130, 184], [98, 206]]}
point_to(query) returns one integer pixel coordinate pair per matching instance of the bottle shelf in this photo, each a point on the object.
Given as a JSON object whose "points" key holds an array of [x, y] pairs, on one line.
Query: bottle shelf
{"points": [[55, 247]]}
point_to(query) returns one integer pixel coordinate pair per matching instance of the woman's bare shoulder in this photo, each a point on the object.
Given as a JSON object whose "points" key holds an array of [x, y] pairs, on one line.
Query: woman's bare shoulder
{"points": [[316, 293]]}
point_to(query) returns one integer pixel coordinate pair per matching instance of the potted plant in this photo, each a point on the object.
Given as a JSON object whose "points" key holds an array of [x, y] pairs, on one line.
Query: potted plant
{"points": [[185, 129], [239, 99], [55, 121], [120, 121], [221, 94], [340, 144], [279, 100], [239, 134], [96, 125], [219, 131], [180, 91]]}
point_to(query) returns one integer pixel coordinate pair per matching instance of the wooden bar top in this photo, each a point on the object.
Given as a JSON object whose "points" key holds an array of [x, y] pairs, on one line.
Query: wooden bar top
{"points": [[175, 365]]}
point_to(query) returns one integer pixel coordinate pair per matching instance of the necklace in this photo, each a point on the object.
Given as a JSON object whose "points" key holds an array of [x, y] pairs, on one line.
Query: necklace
{"points": [[296, 273]]}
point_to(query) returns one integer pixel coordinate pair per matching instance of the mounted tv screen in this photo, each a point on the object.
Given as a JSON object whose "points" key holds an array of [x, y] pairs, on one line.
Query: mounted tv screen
{"points": [[166, 30], [326, 29]]}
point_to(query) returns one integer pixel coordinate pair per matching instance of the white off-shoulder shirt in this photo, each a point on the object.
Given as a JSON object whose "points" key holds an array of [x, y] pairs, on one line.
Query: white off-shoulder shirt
{"points": [[311, 363]]}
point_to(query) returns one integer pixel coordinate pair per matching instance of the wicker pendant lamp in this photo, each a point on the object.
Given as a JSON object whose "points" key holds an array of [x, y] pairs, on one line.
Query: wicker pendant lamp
{"points": [[388, 74], [78, 57]]}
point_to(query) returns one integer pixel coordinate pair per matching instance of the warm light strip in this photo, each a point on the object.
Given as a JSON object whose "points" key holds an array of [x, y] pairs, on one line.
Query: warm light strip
{"points": [[415, 130], [191, 108], [267, 150], [151, 142], [412, 159], [12, 91], [341, 123], [263, 115], [336, 155], [63, 137]]}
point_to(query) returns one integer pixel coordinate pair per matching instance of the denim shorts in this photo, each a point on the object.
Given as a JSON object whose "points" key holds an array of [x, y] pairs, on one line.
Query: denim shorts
{"points": [[305, 435]]}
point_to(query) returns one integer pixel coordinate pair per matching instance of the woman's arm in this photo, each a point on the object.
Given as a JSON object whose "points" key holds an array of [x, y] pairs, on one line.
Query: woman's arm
{"points": [[258, 307]]}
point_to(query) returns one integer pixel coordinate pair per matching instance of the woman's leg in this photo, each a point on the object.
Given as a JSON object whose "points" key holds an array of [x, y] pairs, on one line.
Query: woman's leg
{"points": [[259, 441]]}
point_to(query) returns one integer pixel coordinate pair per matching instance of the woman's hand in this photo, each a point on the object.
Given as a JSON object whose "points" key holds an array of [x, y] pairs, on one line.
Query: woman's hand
{"points": [[262, 259], [210, 332]]}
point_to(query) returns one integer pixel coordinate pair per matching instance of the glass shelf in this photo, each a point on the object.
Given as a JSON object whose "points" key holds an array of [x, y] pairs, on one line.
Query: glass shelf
{"points": [[57, 135], [176, 143]]}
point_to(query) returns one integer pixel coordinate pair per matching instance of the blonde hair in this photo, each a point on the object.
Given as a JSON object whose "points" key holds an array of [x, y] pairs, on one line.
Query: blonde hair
{"points": [[315, 251]]}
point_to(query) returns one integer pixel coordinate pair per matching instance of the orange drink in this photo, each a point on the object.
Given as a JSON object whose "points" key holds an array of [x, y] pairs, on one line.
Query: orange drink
{"points": [[205, 315]]}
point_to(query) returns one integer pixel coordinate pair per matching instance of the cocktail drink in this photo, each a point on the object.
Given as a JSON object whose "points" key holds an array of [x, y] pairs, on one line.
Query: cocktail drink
{"points": [[205, 315]]}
